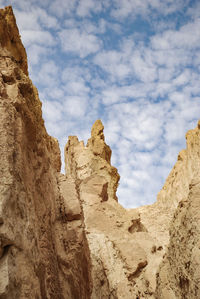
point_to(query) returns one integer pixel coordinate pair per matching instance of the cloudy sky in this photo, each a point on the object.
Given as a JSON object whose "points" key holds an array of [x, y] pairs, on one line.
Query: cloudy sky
{"points": [[134, 64]]}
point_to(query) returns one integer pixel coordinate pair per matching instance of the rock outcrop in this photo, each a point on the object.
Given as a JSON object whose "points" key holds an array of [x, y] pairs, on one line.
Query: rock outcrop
{"points": [[179, 273], [40, 247], [66, 236]]}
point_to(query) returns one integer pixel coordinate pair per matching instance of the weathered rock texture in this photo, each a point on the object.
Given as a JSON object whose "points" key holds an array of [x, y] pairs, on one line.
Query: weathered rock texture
{"points": [[66, 236], [43, 251], [179, 274]]}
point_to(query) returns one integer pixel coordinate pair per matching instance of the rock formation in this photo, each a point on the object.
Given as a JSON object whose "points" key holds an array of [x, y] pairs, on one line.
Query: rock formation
{"points": [[40, 247], [179, 273], [66, 236]]}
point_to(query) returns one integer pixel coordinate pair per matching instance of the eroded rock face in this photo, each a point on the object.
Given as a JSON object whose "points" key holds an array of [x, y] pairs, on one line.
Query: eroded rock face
{"points": [[43, 253], [66, 236], [179, 273], [124, 255], [10, 39]]}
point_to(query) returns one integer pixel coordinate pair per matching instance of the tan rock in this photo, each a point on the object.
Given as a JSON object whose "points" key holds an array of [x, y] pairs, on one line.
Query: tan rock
{"points": [[71, 207], [66, 236], [10, 40], [81, 162], [119, 244], [181, 263], [42, 255], [96, 142]]}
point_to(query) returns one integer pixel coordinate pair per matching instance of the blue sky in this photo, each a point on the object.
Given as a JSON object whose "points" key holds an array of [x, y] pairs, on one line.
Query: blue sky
{"points": [[132, 63]]}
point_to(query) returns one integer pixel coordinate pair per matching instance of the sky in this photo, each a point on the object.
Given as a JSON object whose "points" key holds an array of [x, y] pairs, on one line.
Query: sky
{"points": [[134, 64]]}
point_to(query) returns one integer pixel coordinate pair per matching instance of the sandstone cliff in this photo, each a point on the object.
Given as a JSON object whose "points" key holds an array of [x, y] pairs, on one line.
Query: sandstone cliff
{"points": [[39, 247], [66, 236], [179, 273]]}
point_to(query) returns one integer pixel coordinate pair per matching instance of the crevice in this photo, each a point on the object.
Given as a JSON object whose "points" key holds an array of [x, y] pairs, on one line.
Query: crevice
{"points": [[138, 271], [85, 243], [9, 79], [136, 226], [4, 251]]}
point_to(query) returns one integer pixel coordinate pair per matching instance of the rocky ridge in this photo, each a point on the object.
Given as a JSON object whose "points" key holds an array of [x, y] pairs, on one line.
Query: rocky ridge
{"points": [[66, 236]]}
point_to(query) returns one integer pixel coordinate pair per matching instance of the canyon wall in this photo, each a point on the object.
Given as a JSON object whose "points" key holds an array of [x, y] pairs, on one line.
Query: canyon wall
{"points": [[66, 236], [40, 246], [179, 274]]}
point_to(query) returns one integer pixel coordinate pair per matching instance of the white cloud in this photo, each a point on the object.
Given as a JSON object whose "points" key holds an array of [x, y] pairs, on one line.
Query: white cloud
{"points": [[46, 20], [30, 37], [35, 19], [162, 25], [52, 110], [76, 73], [165, 74], [27, 20], [145, 8], [35, 53], [87, 25], [74, 81], [182, 78], [113, 63], [86, 6], [124, 8], [111, 96], [75, 106], [143, 69], [61, 8], [187, 37], [76, 88], [22, 4], [145, 134], [79, 43], [194, 11], [47, 75]]}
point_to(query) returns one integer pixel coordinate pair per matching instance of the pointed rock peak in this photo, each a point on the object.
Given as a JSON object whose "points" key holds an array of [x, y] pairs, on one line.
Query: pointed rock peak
{"points": [[97, 144], [10, 39], [97, 129]]}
